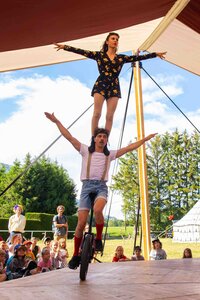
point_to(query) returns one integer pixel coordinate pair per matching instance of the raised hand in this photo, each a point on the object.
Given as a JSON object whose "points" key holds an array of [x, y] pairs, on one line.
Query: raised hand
{"points": [[150, 136], [51, 117], [161, 54], [58, 46]]}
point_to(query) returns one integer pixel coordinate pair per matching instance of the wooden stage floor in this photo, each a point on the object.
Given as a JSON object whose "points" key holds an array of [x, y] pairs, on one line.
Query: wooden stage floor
{"points": [[165, 279]]}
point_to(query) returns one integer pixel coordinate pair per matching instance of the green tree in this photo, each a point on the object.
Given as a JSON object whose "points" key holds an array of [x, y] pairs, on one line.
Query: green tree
{"points": [[41, 189]]}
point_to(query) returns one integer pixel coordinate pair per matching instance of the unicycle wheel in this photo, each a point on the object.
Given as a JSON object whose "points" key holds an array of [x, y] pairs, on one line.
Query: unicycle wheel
{"points": [[86, 255]]}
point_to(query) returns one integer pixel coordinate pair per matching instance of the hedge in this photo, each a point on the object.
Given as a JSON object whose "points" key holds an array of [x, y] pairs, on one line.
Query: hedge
{"points": [[38, 221]]}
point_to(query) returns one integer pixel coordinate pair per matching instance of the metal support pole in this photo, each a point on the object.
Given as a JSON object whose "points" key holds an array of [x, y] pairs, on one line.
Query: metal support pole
{"points": [[143, 182]]}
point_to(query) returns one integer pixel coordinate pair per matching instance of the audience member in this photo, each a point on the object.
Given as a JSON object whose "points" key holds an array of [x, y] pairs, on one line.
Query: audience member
{"points": [[137, 254], [119, 255], [35, 248], [60, 225], [64, 252], [45, 263], [29, 253], [187, 253], [55, 255], [47, 242], [4, 246], [17, 222], [157, 252], [3, 276], [15, 240], [20, 265]]}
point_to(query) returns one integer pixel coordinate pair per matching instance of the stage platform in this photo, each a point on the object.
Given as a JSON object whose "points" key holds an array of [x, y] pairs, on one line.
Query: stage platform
{"points": [[164, 279]]}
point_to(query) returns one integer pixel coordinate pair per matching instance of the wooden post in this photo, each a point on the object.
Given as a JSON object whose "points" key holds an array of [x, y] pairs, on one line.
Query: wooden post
{"points": [[143, 182]]}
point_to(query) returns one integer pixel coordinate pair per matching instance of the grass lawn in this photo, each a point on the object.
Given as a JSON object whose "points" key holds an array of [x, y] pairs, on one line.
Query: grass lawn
{"points": [[173, 250]]}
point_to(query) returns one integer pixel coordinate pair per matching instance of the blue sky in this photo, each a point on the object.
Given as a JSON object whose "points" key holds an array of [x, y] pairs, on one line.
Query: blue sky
{"points": [[65, 89]]}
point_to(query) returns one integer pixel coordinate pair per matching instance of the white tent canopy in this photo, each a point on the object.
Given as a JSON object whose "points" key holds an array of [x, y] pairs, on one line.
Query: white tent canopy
{"points": [[188, 228], [29, 29]]}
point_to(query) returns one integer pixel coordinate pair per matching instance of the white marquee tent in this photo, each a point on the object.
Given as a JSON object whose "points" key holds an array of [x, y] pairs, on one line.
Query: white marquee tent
{"points": [[188, 228]]}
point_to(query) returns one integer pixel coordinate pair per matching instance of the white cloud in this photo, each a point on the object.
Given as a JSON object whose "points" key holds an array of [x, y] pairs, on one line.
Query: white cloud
{"points": [[28, 130]]}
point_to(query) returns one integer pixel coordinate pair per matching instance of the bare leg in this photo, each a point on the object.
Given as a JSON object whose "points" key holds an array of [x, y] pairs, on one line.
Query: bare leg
{"points": [[82, 220], [98, 210], [98, 103], [111, 107]]}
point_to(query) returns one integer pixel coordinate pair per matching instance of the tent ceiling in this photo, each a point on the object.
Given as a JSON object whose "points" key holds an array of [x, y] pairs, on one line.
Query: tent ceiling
{"points": [[29, 27]]}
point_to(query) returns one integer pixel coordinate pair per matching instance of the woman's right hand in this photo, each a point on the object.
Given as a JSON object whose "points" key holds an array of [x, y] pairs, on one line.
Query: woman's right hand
{"points": [[58, 46], [51, 117]]}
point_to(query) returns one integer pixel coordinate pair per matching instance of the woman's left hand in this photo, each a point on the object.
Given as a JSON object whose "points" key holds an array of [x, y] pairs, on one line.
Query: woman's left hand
{"points": [[58, 46], [161, 54]]}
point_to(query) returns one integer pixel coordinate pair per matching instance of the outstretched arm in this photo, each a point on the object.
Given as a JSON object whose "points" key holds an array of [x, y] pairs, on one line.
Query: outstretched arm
{"points": [[138, 57], [134, 146], [64, 131], [86, 53]]}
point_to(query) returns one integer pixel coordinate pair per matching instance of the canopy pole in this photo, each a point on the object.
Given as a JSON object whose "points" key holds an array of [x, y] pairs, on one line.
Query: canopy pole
{"points": [[143, 182]]}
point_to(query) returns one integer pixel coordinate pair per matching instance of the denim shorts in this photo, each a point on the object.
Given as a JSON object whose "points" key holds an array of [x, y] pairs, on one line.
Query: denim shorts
{"points": [[98, 187]]}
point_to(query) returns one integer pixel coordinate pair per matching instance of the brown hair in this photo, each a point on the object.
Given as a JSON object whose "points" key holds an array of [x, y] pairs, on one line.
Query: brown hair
{"points": [[189, 251], [60, 206], [105, 45], [101, 130]]}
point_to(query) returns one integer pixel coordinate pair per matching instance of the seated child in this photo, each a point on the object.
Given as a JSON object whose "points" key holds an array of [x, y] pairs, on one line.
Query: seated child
{"points": [[35, 248], [187, 253], [137, 254], [29, 253], [4, 246], [15, 240], [45, 263], [3, 276], [55, 255], [47, 242], [64, 253], [20, 265], [157, 252], [119, 255]]}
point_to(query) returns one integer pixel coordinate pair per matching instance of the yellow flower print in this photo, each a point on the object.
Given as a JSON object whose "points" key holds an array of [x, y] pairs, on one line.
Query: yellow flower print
{"points": [[105, 59]]}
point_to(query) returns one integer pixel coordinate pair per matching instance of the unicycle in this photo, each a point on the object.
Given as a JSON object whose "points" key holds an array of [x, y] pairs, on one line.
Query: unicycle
{"points": [[88, 248]]}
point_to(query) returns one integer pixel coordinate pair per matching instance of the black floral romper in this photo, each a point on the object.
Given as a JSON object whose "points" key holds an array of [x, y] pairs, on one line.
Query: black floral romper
{"points": [[107, 84]]}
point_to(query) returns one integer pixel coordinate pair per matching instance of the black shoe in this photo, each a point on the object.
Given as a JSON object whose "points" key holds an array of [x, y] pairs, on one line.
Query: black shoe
{"points": [[91, 148], [105, 150], [74, 262], [98, 245]]}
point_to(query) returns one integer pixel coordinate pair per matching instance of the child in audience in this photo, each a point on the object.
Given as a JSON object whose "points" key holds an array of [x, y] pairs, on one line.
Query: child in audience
{"points": [[4, 246], [64, 253], [15, 240], [35, 248], [20, 265], [2, 265], [29, 253], [157, 252], [119, 255], [187, 253], [45, 263], [137, 254], [47, 242], [55, 255]]}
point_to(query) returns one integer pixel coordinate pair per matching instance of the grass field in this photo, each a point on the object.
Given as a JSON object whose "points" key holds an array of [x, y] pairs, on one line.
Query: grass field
{"points": [[173, 250]]}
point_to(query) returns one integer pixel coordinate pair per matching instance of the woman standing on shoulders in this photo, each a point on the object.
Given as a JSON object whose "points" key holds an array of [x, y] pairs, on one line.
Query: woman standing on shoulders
{"points": [[107, 85]]}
